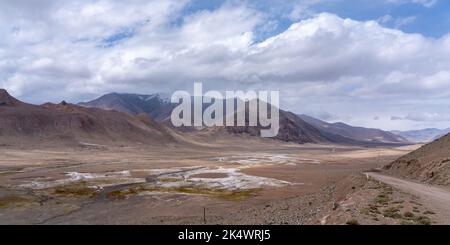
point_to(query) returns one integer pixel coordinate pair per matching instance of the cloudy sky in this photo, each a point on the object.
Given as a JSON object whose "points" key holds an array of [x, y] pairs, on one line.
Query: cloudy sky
{"points": [[382, 64]]}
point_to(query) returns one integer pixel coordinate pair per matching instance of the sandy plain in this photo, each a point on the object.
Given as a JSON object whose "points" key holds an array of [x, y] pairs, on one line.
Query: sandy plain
{"points": [[230, 182]]}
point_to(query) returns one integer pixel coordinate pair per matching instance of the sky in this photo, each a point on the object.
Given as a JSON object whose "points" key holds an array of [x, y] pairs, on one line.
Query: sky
{"points": [[382, 64]]}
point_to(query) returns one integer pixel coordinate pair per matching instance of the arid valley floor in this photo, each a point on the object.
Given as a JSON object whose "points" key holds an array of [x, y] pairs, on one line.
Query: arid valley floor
{"points": [[274, 183]]}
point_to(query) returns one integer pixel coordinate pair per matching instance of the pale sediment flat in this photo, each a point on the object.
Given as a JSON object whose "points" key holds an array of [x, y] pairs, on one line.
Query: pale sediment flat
{"points": [[276, 183]]}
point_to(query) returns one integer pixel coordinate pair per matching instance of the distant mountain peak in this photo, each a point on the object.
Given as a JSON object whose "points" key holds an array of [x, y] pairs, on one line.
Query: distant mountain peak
{"points": [[371, 135], [423, 135], [142, 97], [157, 106]]}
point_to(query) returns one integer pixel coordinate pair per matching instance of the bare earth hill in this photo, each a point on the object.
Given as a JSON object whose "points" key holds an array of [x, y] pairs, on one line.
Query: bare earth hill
{"points": [[294, 129], [369, 135], [22, 123], [430, 163]]}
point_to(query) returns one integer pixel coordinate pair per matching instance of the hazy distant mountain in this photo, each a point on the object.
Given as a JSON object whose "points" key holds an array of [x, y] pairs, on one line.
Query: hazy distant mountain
{"points": [[295, 129], [430, 163], [22, 123], [368, 135], [290, 122], [156, 106], [424, 135]]}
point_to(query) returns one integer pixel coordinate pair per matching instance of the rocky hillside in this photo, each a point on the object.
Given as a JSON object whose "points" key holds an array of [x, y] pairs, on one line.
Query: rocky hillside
{"points": [[361, 134], [154, 105], [22, 124], [430, 163]]}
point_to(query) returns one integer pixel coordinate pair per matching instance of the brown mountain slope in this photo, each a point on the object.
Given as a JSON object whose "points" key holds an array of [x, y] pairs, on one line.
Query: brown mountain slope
{"points": [[8, 100], [369, 135], [292, 127], [430, 163], [22, 124], [154, 105]]}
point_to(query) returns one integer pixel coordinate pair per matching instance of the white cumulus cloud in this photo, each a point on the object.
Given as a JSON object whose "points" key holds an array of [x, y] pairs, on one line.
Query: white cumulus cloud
{"points": [[354, 70]]}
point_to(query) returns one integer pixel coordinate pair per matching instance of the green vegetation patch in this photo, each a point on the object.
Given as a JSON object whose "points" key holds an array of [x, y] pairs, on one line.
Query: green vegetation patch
{"points": [[382, 199], [446, 160], [392, 213], [374, 209], [169, 180], [11, 171], [416, 220], [12, 201], [416, 203], [231, 195], [387, 190], [408, 215], [123, 194], [352, 222], [398, 202], [77, 189]]}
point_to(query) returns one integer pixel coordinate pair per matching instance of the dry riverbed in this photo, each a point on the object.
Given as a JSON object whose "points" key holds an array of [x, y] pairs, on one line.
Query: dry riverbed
{"points": [[283, 184]]}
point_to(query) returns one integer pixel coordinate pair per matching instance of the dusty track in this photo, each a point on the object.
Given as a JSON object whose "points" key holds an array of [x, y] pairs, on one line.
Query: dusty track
{"points": [[435, 197]]}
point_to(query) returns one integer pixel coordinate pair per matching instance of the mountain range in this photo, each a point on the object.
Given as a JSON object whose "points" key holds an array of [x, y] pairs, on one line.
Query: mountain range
{"points": [[22, 123], [116, 117], [423, 135], [155, 105], [356, 133], [293, 128]]}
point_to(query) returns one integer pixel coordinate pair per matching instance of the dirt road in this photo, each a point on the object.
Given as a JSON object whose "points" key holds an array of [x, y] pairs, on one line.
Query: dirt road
{"points": [[437, 198]]}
